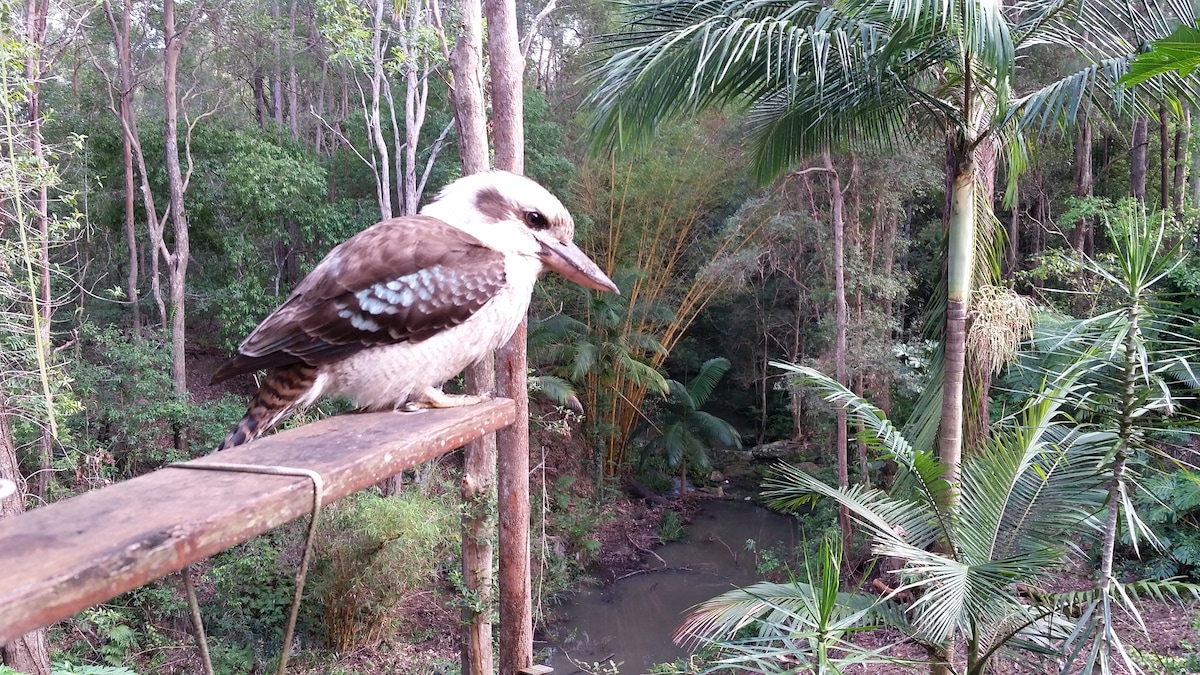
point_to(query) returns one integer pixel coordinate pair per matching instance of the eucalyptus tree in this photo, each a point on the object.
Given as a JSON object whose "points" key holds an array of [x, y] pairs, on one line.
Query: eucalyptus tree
{"points": [[870, 73]]}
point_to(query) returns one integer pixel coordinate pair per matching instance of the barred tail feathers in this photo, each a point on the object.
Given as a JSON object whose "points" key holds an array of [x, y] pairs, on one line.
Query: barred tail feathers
{"points": [[278, 395]]}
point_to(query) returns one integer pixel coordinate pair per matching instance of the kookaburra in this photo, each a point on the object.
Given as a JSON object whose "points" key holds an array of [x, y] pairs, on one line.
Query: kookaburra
{"points": [[399, 308]]}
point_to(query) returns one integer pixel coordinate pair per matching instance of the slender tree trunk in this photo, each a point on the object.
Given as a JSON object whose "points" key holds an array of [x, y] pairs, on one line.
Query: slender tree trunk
{"points": [[1179, 188], [479, 463], [178, 260], [383, 177], [35, 32], [1124, 434], [1194, 161], [1083, 181], [960, 262], [260, 97], [1013, 253], [1137, 159], [28, 653], [507, 69], [466, 62], [1164, 159], [276, 69], [125, 111], [889, 265], [841, 311], [293, 94], [416, 95]]}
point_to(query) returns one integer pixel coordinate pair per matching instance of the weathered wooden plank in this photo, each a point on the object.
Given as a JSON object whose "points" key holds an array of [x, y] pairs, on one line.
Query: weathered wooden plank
{"points": [[64, 557]]}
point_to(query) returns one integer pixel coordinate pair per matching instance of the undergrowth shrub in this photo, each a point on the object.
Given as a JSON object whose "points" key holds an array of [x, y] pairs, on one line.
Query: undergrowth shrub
{"points": [[129, 420], [133, 628], [1170, 505], [373, 552], [253, 584]]}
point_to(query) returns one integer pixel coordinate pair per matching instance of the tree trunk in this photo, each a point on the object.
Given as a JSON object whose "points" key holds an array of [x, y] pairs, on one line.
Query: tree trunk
{"points": [[1179, 188], [1124, 433], [277, 70], [1080, 233], [960, 258], [479, 461], [1013, 254], [28, 653], [260, 97], [1164, 159], [416, 95], [1137, 159], [35, 32], [382, 162], [507, 69], [293, 81], [466, 62], [178, 261], [841, 311], [889, 265]]}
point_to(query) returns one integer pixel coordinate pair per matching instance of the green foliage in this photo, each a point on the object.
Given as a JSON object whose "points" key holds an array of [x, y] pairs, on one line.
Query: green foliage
{"points": [[1179, 53], [125, 630], [30, 375], [1188, 664], [671, 528], [691, 666], [373, 551], [1025, 497], [808, 623], [68, 668], [129, 417], [681, 432], [574, 518], [1169, 504], [254, 582]]}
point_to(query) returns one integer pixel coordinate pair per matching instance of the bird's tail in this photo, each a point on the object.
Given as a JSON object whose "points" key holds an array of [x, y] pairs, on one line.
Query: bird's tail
{"points": [[277, 396]]}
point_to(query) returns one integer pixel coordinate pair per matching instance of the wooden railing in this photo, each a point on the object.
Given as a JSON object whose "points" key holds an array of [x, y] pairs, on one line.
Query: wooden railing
{"points": [[70, 555]]}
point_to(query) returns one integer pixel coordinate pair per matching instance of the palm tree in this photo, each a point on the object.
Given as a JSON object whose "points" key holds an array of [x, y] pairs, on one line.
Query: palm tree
{"points": [[976, 570], [1142, 360], [684, 431], [1040, 484], [875, 73]]}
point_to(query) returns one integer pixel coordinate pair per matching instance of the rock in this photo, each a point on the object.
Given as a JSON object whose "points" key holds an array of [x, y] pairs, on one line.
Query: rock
{"points": [[716, 476]]}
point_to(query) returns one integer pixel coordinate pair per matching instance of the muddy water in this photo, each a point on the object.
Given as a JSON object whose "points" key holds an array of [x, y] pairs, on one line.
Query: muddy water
{"points": [[632, 620]]}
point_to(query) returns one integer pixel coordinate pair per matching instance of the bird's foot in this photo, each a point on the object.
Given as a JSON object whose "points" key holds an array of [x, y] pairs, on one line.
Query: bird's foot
{"points": [[436, 398]]}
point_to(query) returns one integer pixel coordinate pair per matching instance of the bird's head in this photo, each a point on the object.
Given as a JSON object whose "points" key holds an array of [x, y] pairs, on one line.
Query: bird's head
{"points": [[513, 214]]}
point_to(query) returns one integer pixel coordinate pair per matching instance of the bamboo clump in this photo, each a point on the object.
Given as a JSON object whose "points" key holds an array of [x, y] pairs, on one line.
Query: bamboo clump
{"points": [[655, 236]]}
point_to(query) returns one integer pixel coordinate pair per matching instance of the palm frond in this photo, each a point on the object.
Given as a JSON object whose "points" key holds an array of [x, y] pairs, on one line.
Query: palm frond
{"points": [[702, 385], [883, 436], [715, 429], [556, 389]]}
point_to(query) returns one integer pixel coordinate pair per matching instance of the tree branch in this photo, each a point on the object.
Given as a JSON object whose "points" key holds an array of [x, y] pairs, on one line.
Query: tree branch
{"points": [[533, 26]]}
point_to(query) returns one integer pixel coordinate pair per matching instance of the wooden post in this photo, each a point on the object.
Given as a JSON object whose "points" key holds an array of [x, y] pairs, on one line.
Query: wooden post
{"points": [[479, 457], [507, 68]]}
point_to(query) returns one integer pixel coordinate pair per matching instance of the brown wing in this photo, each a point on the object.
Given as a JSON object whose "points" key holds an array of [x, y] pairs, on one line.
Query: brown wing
{"points": [[399, 280]]}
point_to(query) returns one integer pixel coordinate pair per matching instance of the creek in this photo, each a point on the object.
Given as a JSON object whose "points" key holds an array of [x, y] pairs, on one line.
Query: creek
{"points": [[630, 622]]}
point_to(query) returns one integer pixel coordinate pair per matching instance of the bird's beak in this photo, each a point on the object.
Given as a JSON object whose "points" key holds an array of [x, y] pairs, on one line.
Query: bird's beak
{"points": [[568, 260]]}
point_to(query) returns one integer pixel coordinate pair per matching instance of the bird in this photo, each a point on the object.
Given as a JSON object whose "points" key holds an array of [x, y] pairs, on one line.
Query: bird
{"points": [[396, 310]]}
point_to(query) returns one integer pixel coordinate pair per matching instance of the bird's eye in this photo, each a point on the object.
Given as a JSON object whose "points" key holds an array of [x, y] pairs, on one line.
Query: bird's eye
{"points": [[536, 220]]}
